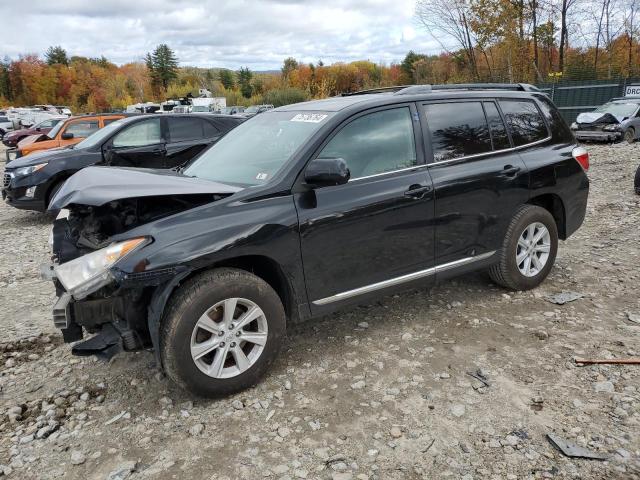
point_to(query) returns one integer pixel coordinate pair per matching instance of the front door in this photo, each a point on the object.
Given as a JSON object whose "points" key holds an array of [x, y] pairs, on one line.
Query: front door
{"points": [[139, 145], [479, 179], [375, 231]]}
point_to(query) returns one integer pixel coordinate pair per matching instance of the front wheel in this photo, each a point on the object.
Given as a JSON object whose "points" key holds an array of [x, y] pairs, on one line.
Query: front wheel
{"points": [[528, 251], [636, 181], [629, 135], [221, 331]]}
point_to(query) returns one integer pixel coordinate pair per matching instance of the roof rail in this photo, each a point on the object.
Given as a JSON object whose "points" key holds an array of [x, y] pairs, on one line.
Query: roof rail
{"points": [[426, 88], [376, 90], [522, 87]]}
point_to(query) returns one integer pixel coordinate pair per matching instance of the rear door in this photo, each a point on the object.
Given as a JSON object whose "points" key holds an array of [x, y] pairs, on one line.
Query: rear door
{"points": [[375, 231], [187, 137], [140, 144], [479, 179]]}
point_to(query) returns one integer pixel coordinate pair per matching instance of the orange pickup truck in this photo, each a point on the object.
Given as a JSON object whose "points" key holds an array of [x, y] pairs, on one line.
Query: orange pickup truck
{"points": [[69, 132]]}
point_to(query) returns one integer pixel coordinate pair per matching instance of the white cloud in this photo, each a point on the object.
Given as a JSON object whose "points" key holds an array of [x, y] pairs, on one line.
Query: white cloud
{"points": [[218, 33]]}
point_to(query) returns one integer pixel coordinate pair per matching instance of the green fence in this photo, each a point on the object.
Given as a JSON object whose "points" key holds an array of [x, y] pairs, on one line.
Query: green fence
{"points": [[574, 97]]}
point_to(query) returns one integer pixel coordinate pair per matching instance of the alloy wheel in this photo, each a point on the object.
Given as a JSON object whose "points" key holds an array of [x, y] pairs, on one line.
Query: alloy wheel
{"points": [[532, 252], [229, 338]]}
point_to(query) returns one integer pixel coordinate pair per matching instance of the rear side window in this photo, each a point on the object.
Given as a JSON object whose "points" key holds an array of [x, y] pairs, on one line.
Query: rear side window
{"points": [[185, 128], [524, 120], [209, 129], [499, 135], [107, 121], [375, 143], [457, 130], [139, 134], [83, 129], [559, 129]]}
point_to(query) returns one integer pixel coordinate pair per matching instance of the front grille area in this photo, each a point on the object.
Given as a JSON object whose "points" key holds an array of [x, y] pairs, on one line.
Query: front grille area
{"points": [[6, 180]]}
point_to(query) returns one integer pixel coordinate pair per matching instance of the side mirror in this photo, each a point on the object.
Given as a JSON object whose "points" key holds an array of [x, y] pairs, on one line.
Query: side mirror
{"points": [[324, 172], [67, 136]]}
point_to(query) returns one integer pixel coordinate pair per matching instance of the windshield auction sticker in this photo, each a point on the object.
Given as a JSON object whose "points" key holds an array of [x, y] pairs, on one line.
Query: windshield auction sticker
{"points": [[309, 117]]}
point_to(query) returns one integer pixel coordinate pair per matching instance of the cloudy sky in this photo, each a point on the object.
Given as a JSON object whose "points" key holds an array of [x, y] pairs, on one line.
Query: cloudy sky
{"points": [[217, 33]]}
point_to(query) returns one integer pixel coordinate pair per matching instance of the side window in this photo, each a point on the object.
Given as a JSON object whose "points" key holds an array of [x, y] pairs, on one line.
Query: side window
{"points": [[83, 128], [185, 128], [139, 134], [210, 130], [375, 143], [48, 124], [559, 128], [457, 130], [496, 125], [107, 121], [524, 120]]}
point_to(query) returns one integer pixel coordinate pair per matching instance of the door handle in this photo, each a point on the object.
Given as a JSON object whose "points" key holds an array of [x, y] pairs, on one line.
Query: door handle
{"points": [[510, 170], [417, 191]]}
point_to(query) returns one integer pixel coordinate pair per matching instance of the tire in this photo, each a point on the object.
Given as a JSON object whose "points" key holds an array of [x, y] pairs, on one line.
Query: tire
{"points": [[507, 272], [636, 181], [52, 193], [181, 332], [629, 135]]}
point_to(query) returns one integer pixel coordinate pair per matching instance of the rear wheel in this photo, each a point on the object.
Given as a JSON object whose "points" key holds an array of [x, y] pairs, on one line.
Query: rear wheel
{"points": [[629, 135], [528, 251], [221, 331]]}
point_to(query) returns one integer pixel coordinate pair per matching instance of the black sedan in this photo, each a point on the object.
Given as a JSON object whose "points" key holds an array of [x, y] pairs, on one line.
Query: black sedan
{"points": [[149, 141]]}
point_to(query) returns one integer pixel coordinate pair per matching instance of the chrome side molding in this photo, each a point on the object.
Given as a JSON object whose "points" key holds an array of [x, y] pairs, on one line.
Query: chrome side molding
{"points": [[402, 279]]}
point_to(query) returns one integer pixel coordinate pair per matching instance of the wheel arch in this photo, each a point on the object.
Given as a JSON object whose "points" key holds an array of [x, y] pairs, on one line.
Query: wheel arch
{"points": [[555, 206]]}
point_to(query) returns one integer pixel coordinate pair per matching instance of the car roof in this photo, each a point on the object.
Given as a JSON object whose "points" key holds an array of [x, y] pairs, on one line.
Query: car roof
{"points": [[412, 93]]}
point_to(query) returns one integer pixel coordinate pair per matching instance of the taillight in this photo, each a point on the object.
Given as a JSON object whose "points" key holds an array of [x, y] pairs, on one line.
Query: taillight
{"points": [[581, 156]]}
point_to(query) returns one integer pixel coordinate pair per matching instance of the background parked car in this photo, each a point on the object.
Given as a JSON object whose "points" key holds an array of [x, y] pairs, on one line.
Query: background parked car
{"points": [[69, 132], [6, 125], [618, 119], [12, 139], [234, 110], [159, 141], [256, 109]]}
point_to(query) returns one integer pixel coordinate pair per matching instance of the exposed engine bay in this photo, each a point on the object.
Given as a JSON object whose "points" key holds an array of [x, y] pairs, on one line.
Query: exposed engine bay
{"points": [[90, 228]]}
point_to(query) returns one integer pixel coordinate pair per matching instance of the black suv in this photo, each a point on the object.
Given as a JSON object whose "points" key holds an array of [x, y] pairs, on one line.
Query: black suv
{"points": [[306, 208], [151, 141]]}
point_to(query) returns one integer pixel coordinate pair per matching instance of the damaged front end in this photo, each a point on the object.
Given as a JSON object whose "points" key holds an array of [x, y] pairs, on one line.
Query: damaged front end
{"points": [[594, 126], [94, 294], [103, 280]]}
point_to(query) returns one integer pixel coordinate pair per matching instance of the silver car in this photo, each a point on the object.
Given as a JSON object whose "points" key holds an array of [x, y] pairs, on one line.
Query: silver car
{"points": [[6, 125], [618, 119]]}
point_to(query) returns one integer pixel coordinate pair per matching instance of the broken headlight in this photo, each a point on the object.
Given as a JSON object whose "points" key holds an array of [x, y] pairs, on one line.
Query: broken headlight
{"points": [[24, 171], [88, 273], [610, 128]]}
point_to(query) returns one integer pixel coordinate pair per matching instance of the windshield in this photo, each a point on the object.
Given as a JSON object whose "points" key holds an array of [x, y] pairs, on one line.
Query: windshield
{"points": [[253, 152], [618, 109], [100, 135], [54, 131]]}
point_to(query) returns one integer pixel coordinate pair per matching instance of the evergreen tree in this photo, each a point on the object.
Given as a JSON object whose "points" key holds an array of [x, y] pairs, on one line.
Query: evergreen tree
{"points": [[5, 84], [244, 79], [55, 55], [226, 78], [162, 64]]}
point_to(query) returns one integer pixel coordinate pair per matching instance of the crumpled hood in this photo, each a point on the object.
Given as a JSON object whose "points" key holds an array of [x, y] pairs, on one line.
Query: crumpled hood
{"points": [[32, 139], [598, 117], [43, 156], [96, 186]]}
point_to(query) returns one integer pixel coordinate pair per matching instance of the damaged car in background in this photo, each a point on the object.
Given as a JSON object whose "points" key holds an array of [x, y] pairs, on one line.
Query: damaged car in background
{"points": [[618, 119], [305, 209]]}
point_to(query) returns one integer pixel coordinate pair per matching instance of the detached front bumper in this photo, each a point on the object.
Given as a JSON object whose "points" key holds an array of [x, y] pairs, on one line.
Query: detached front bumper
{"points": [[599, 136]]}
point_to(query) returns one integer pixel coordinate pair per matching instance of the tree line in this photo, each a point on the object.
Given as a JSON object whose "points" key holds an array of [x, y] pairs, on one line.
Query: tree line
{"points": [[529, 41]]}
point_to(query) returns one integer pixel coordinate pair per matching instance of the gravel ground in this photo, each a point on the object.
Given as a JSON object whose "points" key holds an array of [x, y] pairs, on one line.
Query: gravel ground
{"points": [[378, 392]]}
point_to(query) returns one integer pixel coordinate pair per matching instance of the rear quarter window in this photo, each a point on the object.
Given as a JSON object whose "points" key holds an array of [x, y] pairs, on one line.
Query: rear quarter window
{"points": [[524, 120], [559, 128], [457, 130]]}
